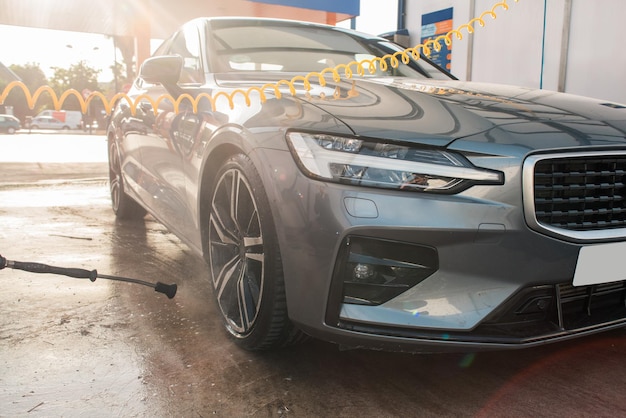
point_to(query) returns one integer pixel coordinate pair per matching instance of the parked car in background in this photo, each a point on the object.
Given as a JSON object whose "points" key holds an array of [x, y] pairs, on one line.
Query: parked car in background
{"points": [[400, 209], [48, 122], [72, 118], [9, 124], [90, 126]]}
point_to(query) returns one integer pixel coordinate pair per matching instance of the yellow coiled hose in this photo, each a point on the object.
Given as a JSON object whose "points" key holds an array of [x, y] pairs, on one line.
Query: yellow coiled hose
{"points": [[348, 71]]}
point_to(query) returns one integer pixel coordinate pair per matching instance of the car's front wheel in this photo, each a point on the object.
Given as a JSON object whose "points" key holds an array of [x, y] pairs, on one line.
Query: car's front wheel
{"points": [[123, 205], [11, 130], [244, 259]]}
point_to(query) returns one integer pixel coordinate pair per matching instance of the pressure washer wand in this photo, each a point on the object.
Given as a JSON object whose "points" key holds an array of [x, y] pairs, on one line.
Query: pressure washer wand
{"points": [[92, 275]]}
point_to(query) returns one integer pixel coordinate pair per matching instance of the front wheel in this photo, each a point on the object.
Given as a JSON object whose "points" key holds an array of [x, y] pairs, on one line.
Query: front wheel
{"points": [[244, 259]]}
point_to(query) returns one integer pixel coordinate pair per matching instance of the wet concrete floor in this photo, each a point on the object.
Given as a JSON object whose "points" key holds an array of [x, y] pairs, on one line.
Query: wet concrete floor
{"points": [[73, 348]]}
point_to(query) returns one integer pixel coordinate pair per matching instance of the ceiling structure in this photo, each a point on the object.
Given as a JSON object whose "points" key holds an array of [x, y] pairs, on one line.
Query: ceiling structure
{"points": [[143, 20]]}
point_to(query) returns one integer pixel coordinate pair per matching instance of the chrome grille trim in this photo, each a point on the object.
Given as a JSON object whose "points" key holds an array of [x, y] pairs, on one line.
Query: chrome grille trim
{"points": [[580, 195]]}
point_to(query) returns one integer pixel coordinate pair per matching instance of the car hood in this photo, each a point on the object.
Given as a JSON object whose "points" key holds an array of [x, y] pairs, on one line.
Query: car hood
{"points": [[440, 112]]}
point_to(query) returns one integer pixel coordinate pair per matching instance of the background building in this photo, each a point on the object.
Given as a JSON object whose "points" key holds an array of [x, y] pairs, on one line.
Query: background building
{"points": [[563, 45]]}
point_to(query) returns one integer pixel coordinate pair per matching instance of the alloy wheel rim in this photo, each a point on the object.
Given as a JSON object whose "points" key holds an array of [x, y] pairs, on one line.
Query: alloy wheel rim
{"points": [[236, 252]]}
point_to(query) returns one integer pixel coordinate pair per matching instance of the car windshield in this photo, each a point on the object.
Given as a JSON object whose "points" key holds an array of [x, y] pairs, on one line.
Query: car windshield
{"points": [[291, 47]]}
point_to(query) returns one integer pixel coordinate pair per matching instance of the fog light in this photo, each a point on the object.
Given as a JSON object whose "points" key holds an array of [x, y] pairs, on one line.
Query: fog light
{"points": [[364, 272], [374, 271]]}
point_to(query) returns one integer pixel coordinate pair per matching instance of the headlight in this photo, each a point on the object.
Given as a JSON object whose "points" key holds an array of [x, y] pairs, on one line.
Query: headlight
{"points": [[388, 165]]}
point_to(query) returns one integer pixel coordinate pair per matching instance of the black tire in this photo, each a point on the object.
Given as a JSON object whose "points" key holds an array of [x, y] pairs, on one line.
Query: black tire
{"points": [[123, 205], [244, 260], [11, 130]]}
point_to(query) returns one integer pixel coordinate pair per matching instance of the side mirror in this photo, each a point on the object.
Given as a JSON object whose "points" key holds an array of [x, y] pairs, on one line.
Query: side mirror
{"points": [[162, 69]]}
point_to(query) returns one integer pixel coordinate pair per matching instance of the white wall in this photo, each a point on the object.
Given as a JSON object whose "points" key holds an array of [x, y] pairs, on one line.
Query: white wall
{"points": [[509, 49], [377, 16], [596, 64], [555, 51]]}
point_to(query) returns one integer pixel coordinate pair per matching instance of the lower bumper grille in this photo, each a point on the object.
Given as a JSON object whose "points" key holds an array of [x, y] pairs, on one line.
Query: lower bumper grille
{"points": [[538, 313], [591, 305]]}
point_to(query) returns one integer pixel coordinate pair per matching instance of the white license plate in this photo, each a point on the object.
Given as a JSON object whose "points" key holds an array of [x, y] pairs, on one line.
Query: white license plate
{"points": [[602, 263]]}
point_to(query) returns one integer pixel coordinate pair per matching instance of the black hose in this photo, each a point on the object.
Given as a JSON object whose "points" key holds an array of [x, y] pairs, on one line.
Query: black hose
{"points": [[167, 289]]}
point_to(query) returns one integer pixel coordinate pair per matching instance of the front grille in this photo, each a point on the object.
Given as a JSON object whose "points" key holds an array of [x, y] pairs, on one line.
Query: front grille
{"points": [[581, 193]]}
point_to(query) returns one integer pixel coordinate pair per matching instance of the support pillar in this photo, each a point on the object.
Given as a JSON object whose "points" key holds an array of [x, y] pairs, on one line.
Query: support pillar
{"points": [[142, 33]]}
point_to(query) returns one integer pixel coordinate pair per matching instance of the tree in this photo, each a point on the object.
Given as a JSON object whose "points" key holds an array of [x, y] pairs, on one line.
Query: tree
{"points": [[33, 77], [118, 78], [78, 77]]}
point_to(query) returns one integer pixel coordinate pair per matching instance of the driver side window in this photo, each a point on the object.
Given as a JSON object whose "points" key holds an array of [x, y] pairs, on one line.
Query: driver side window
{"points": [[186, 43]]}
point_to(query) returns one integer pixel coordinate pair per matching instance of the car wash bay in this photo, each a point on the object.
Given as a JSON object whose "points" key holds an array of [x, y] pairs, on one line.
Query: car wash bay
{"points": [[71, 347]]}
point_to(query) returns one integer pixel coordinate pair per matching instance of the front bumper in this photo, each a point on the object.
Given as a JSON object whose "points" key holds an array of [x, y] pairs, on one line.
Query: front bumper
{"points": [[497, 283]]}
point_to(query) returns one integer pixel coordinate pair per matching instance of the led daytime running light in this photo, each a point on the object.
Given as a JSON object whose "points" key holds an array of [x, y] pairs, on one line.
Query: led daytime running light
{"points": [[321, 157]]}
